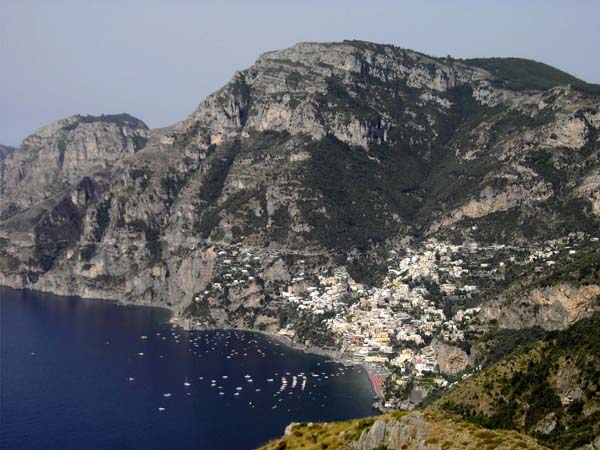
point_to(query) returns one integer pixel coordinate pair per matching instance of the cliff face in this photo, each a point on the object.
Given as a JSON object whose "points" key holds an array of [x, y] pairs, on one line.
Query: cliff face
{"points": [[318, 157], [59, 155], [553, 307]]}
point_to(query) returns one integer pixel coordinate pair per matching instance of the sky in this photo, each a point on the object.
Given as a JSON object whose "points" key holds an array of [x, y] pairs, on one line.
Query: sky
{"points": [[158, 59]]}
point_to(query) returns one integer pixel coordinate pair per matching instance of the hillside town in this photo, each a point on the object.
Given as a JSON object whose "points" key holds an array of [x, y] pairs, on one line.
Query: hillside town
{"points": [[411, 327]]}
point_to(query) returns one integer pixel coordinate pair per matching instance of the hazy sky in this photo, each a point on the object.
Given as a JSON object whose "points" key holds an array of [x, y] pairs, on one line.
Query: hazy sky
{"points": [[157, 59]]}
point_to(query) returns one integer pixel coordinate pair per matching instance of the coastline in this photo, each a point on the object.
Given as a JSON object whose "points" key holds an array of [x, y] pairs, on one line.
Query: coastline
{"points": [[179, 322], [288, 342]]}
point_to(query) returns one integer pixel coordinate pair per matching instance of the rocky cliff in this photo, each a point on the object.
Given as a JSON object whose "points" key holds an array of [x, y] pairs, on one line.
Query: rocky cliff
{"points": [[317, 158]]}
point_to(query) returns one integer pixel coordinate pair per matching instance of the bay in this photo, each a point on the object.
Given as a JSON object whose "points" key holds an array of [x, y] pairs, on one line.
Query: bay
{"points": [[80, 374]]}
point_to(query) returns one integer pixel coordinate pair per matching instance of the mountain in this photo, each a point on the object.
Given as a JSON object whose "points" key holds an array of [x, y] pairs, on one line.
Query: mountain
{"points": [[5, 151], [430, 215], [319, 159]]}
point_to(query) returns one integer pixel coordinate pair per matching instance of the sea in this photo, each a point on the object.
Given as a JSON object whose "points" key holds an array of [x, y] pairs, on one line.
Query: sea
{"points": [[78, 374]]}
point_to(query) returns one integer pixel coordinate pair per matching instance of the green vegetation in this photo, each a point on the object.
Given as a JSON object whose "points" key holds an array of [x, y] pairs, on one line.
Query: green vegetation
{"points": [[154, 245], [432, 430], [102, 219], [212, 187], [58, 229], [118, 119], [579, 270], [519, 74], [550, 382], [310, 329], [498, 343], [199, 309], [357, 195]]}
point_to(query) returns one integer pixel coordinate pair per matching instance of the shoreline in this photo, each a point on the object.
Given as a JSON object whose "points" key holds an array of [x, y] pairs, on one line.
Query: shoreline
{"points": [[285, 340], [175, 320]]}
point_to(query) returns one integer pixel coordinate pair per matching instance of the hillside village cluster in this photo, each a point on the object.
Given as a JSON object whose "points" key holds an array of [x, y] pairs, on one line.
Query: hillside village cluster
{"points": [[391, 327]]}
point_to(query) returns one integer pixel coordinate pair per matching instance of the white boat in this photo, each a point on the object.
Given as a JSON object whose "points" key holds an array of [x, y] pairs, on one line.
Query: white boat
{"points": [[160, 408], [168, 394]]}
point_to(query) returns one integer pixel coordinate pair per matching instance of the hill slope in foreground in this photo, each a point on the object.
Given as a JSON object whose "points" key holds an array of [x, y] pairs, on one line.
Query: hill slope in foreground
{"points": [[549, 390], [400, 430]]}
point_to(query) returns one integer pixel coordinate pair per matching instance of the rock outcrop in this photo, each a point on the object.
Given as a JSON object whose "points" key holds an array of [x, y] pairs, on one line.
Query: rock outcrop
{"points": [[421, 432], [397, 431], [450, 359], [552, 308]]}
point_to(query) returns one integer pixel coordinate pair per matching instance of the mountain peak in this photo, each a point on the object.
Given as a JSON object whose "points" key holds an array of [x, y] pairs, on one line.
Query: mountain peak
{"points": [[71, 122]]}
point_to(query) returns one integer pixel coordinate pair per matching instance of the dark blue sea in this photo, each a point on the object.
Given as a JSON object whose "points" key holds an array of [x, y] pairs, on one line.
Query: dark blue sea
{"points": [[92, 375]]}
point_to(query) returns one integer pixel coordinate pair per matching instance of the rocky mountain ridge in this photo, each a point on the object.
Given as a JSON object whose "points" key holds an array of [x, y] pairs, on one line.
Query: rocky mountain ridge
{"points": [[330, 154]]}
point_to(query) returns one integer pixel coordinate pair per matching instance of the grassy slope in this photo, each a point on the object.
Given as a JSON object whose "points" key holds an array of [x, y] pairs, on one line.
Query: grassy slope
{"points": [[531, 386], [428, 431], [521, 74]]}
